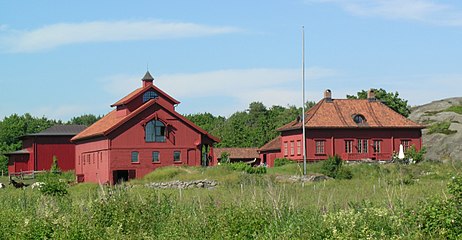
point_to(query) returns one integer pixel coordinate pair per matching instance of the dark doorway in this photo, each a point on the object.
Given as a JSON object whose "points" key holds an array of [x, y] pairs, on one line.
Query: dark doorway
{"points": [[120, 176]]}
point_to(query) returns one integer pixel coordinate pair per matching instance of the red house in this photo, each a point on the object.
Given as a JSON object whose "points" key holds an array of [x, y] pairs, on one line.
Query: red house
{"points": [[354, 129], [143, 133], [40, 148]]}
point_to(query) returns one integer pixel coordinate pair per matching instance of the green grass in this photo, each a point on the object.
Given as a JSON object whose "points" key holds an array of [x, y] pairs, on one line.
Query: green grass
{"points": [[457, 109], [374, 204], [441, 127]]}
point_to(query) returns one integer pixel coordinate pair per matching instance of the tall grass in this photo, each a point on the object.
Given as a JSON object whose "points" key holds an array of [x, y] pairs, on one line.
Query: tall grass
{"points": [[373, 205]]}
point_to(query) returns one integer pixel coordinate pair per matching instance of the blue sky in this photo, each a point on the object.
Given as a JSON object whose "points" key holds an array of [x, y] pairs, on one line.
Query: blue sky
{"points": [[61, 59]]}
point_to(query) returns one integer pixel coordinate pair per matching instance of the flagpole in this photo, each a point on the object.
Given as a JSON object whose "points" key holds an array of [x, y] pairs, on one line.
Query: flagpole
{"points": [[303, 102]]}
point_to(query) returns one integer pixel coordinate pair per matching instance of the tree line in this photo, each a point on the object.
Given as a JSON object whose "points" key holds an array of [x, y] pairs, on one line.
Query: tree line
{"points": [[252, 127]]}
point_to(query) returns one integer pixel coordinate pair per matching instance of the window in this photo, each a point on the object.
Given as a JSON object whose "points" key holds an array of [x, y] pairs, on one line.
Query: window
{"points": [[292, 150], [358, 118], [155, 131], [155, 157], [348, 146], [78, 161], [149, 95], [135, 156], [406, 144], [299, 147], [376, 146], [362, 145], [320, 146], [177, 156], [285, 149]]}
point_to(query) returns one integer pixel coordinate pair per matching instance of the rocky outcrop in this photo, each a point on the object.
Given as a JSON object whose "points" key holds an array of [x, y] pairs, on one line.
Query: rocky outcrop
{"points": [[182, 184], [440, 146]]}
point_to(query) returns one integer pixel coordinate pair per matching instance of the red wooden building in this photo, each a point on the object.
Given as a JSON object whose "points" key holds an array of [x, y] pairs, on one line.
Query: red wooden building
{"points": [[40, 148], [143, 133], [354, 129]]}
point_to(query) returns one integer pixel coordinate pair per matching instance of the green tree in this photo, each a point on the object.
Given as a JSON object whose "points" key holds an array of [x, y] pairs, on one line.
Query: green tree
{"points": [[392, 100], [15, 126], [86, 119]]}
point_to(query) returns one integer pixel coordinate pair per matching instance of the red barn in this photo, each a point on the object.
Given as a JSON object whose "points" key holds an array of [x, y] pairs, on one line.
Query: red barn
{"points": [[143, 133], [40, 148], [354, 129]]}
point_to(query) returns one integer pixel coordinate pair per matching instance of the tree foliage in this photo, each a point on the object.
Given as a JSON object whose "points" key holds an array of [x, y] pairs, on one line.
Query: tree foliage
{"points": [[392, 100], [85, 119], [15, 126], [250, 128]]}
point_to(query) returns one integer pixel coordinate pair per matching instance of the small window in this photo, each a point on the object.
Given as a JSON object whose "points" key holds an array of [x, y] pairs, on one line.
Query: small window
{"points": [[320, 146], [149, 95], [358, 118], [299, 147], [285, 149], [406, 144], [362, 146], [348, 146], [155, 157], [177, 156], [377, 147], [135, 157], [292, 150]]}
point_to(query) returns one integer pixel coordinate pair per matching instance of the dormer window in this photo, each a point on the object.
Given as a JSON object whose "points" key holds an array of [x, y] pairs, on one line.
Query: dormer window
{"points": [[149, 95], [358, 118], [155, 131]]}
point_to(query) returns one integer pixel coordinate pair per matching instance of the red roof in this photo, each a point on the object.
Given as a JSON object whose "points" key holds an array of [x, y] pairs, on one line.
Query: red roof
{"points": [[339, 113], [274, 144], [140, 91], [112, 121], [237, 153]]}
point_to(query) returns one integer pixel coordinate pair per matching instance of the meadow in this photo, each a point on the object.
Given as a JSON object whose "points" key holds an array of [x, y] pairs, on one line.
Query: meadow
{"points": [[389, 201]]}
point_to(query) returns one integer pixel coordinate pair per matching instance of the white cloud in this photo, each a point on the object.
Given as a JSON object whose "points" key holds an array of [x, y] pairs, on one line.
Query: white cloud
{"points": [[270, 86], [55, 35], [415, 10]]}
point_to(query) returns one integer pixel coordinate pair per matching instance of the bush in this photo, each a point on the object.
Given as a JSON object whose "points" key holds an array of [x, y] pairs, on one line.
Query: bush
{"points": [[333, 168], [53, 186], [282, 161], [244, 167], [442, 218], [224, 158], [416, 156]]}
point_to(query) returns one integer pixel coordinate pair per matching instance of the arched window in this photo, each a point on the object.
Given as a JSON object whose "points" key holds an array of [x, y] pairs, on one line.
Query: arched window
{"points": [[149, 95], [358, 118], [155, 131]]}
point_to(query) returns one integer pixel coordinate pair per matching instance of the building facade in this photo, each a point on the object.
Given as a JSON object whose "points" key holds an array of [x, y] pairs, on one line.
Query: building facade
{"points": [[39, 149], [142, 133], [354, 129]]}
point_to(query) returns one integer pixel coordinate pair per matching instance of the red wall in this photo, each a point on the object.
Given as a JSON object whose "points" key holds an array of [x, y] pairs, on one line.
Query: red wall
{"points": [[41, 151], [334, 142], [61, 147], [114, 153]]}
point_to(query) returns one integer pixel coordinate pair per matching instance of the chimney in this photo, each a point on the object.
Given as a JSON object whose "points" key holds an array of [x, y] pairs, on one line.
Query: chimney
{"points": [[147, 79], [328, 95], [371, 95]]}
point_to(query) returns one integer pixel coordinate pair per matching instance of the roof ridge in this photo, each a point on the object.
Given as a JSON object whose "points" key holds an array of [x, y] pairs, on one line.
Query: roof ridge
{"points": [[342, 118], [371, 109]]}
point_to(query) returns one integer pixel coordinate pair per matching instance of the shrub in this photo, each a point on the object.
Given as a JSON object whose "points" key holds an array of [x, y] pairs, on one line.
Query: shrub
{"points": [[244, 167], [282, 161], [53, 186], [416, 156], [224, 158], [332, 167], [442, 218]]}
